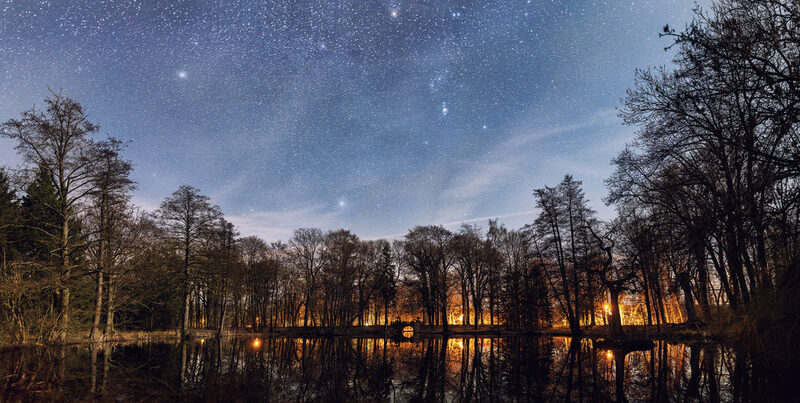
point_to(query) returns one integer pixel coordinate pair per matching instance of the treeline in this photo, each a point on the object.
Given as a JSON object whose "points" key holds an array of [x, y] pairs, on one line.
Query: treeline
{"points": [[73, 242], [708, 224]]}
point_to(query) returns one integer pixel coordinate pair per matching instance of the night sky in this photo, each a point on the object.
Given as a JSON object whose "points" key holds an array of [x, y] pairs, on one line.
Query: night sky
{"points": [[371, 116]]}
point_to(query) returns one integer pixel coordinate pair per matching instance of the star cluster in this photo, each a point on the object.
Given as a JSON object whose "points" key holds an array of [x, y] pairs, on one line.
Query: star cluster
{"points": [[370, 115]]}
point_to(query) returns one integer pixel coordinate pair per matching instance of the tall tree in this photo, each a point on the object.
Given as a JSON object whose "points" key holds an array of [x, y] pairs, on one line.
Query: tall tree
{"points": [[186, 216], [564, 212], [427, 254], [387, 278], [108, 205], [306, 247], [58, 142]]}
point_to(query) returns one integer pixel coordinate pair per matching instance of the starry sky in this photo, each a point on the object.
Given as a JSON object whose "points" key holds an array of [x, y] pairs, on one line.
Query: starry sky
{"points": [[369, 115]]}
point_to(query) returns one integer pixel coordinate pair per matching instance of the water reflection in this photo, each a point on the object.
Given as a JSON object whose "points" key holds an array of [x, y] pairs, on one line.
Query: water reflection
{"points": [[434, 369]]}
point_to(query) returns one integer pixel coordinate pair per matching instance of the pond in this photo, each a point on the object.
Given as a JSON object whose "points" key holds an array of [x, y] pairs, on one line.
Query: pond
{"points": [[345, 369]]}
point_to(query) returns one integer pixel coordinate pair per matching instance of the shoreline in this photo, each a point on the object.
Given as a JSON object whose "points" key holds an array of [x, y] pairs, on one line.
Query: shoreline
{"points": [[675, 333]]}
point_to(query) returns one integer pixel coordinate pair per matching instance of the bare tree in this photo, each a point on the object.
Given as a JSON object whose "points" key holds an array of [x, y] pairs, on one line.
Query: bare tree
{"points": [[306, 248], [186, 216], [109, 198]]}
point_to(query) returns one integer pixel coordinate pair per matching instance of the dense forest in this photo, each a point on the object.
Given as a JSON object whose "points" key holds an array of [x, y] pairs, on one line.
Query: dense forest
{"points": [[707, 230]]}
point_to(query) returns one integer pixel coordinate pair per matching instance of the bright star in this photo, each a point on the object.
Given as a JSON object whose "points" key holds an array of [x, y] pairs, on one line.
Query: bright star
{"points": [[341, 203], [394, 13], [444, 109], [181, 74]]}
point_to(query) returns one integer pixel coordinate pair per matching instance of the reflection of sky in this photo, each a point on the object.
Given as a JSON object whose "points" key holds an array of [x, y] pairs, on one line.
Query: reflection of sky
{"points": [[373, 116]]}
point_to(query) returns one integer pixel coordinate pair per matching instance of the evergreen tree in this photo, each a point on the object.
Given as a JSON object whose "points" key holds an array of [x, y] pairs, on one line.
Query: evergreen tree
{"points": [[9, 210], [39, 219]]}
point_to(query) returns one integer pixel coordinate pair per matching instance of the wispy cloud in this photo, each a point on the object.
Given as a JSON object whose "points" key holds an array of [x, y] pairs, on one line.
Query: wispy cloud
{"points": [[496, 167], [279, 224]]}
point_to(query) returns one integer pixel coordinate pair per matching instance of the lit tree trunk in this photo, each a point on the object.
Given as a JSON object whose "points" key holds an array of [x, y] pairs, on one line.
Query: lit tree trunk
{"points": [[63, 314], [186, 285], [98, 308], [590, 295], [109, 308], [465, 303]]}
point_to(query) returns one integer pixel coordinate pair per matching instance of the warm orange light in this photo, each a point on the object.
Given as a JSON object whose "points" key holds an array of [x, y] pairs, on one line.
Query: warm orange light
{"points": [[202, 341], [607, 307], [610, 354], [256, 343], [461, 318]]}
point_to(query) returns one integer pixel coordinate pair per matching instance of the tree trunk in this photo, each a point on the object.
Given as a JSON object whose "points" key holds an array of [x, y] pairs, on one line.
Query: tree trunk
{"points": [[615, 325], [221, 317], [109, 308], [98, 308], [186, 285], [101, 254], [686, 286], [63, 314]]}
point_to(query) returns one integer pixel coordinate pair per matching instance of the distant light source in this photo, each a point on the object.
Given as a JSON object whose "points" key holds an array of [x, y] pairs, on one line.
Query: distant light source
{"points": [[607, 308], [461, 318], [256, 343], [609, 354], [408, 331]]}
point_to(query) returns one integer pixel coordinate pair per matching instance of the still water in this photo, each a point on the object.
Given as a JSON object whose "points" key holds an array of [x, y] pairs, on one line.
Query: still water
{"points": [[344, 369]]}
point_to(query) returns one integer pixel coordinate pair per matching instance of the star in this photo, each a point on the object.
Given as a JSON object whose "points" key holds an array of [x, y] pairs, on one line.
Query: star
{"points": [[182, 74], [341, 203], [394, 13], [444, 109]]}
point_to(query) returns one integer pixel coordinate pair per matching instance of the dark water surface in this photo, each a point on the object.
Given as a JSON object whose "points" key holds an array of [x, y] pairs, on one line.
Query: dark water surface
{"points": [[435, 369]]}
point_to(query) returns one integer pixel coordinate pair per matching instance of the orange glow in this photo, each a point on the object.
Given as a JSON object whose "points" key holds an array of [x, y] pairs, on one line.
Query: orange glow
{"points": [[256, 343], [607, 308], [609, 354], [461, 318]]}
